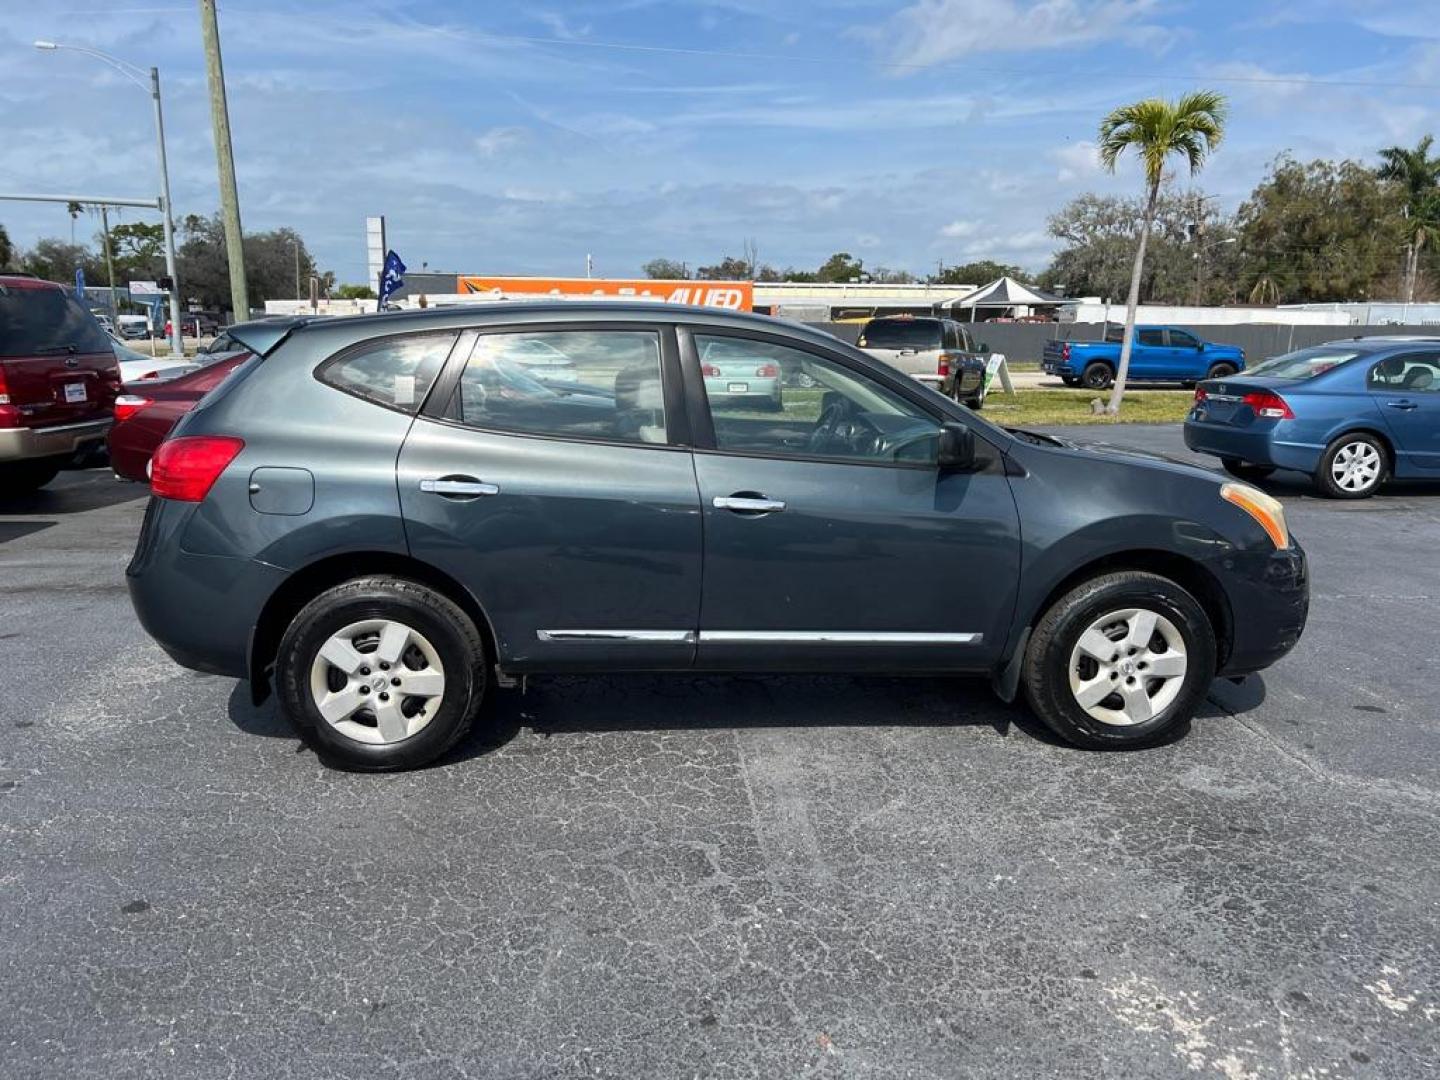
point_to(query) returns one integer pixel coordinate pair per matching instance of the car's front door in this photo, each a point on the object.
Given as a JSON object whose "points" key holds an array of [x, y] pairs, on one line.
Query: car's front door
{"points": [[1406, 389], [832, 540], [1151, 355], [1185, 355], [565, 506]]}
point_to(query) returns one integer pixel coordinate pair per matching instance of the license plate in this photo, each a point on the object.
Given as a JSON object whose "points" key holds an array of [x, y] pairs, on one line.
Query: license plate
{"points": [[739, 388], [74, 391]]}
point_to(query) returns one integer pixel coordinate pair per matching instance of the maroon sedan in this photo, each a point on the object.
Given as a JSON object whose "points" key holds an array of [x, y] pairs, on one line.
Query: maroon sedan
{"points": [[146, 411]]}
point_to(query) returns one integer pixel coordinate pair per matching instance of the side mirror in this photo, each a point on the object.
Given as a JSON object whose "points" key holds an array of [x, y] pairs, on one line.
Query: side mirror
{"points": [[1200, 347], [956, 451]]}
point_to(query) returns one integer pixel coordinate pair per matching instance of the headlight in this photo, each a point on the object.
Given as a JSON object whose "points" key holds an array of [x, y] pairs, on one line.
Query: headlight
{"points": [[1264, 509]]}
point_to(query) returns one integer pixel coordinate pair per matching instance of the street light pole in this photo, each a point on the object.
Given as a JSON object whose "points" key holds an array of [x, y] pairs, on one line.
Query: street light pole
{"points": [[177, 346], [137, 76]]}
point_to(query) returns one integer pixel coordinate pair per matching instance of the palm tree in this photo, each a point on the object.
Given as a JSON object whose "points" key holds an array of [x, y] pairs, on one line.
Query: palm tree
{"points": [[1191, 127], [1419, 174]]}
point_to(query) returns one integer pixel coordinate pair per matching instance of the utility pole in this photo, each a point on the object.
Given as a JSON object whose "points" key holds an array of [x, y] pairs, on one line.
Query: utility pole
{"points": [[225, 159], [109, 265], [297, 269]]}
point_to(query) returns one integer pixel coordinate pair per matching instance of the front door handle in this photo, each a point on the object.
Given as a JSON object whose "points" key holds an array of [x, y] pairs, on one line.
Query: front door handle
{"points": [[457, 487], [748, 503], [1404, 406]]}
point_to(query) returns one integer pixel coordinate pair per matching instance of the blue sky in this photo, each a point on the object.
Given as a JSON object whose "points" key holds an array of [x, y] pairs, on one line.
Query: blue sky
{"points": [[518, 137]]}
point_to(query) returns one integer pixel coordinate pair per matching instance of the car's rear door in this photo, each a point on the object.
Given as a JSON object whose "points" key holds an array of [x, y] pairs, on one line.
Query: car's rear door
{"points": [[1410, 402], [58, 364], [832, 540], [569, 511]]}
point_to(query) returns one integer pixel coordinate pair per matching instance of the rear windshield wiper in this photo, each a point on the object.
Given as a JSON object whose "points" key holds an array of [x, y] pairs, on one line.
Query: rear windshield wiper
{"points": [[47, 350]]}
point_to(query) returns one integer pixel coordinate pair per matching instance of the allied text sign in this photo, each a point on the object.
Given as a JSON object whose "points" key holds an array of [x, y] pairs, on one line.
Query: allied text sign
{"points": [[734, 295]]}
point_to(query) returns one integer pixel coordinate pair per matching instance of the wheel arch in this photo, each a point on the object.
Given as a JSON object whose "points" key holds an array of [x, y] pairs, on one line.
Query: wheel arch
{"points": [[309, 581], [1363, 428]]}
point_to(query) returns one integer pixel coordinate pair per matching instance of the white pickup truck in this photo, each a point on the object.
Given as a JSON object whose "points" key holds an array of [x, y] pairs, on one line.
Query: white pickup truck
{"points": [[938, 352]]}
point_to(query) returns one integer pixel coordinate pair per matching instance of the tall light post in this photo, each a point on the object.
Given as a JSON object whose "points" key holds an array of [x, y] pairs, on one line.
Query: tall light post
{"points": [[1200, 263], [137, 76]]}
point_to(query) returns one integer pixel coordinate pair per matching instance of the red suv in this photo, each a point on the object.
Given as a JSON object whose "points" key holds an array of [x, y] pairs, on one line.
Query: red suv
{"points": [[58, 381]]}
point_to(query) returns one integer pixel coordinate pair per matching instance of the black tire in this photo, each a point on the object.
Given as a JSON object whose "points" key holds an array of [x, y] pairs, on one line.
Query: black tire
{"points": [[447, 629], [1097, 375], [1045, 675], [1243, 470], [1330, 485], [1222, 370], [23, 477], [976, 403]]}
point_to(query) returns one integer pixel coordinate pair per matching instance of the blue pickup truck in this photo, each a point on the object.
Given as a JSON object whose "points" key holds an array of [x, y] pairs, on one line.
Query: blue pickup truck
{"points": [[1160, 354]]}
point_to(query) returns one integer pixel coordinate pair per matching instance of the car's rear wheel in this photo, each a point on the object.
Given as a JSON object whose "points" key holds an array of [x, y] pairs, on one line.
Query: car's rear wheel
{"points": [[1353, 467], [1120, 661], [1222, 370], [20, 477], [1097, 375], [381, 673], [1243, 470]]}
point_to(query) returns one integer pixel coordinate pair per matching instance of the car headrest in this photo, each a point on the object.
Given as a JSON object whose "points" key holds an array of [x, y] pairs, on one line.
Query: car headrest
{"points": [[1419, 378], [640, 403], [1388, 369]]}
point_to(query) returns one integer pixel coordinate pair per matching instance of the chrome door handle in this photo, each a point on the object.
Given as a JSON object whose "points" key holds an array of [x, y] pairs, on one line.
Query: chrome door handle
{"points": [[455, 485], [748, 504], [1403, 405]]}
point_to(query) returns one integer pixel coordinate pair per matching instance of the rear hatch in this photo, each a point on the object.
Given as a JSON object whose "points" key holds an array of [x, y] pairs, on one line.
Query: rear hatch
{"points": [[56, 363], [909, 345], [1224, 401]]}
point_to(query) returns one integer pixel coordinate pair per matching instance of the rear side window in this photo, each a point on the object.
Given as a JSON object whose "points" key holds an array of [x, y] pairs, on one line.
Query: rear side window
{"points": [[604, 385], [1149, 337], [901, 334], [1411, 373], [395, 372], [44, 321]]}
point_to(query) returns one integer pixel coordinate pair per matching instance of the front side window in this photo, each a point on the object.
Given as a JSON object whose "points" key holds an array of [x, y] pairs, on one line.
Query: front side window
{"points": [[1183, 339], [1411, 373], [785, 402], [582, 384], [395, 372]]}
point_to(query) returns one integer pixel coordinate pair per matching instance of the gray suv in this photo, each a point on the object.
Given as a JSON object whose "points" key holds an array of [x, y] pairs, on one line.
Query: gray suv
{"points": [[382, 516]]}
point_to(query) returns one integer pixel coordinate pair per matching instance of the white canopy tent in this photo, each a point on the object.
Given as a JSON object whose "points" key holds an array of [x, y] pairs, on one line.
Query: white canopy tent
{"points": [[1002, 296]]}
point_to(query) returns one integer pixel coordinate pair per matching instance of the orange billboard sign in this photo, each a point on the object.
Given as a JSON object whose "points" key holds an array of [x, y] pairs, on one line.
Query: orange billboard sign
{"points": [[734, 295]]}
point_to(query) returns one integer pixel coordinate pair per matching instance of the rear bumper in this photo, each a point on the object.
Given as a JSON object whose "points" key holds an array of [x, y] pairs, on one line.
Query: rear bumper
{"points": [[1270, 600], [1265, 446], [20, 444]]}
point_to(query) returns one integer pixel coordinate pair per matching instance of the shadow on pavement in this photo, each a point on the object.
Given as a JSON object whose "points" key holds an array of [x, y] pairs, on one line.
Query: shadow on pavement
{"points": [[74, 492]]}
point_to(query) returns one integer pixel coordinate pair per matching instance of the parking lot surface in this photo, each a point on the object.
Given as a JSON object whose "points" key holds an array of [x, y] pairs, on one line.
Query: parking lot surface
{"points": [[734, 877]]}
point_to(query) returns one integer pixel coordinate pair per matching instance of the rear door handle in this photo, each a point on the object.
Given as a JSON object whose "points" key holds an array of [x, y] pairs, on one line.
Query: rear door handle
{"points": [[1405, 406], [748, 504], [462, 487]]}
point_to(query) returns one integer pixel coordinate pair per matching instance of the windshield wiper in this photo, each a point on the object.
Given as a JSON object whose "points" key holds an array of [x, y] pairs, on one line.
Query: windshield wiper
{"points": [[1036, 437], [48, 350]]}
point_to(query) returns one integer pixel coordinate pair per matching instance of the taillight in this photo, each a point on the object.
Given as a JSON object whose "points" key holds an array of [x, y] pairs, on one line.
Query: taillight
{"points": [[127, 405], [942, 365], [9, 414], [1268, 404], [767, 371], [710, 371], [1200, 394], [185, 469], [1065, 351]]}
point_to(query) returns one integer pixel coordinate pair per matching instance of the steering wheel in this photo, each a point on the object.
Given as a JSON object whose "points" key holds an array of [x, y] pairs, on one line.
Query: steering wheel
{"points": [[839, 430]]}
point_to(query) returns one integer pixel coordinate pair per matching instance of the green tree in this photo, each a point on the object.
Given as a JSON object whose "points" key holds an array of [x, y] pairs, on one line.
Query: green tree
{"points": [[727, 269], [7, 249], [1418, 174], [55, 260], [666, 269], [277, 264], [1156, 130], [977, 273], [138, 250], [354, 292], [842, 266], [1321, 231]]}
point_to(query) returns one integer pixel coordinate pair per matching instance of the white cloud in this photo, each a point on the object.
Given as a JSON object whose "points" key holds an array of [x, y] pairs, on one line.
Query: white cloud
{"points": [[959, 229], [934, 31], [497, 140], [1076, 160]]}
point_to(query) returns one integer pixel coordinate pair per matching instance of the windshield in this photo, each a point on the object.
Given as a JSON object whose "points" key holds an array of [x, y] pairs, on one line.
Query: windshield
{"points": [[45, 320], [1305, 363], [901, 334]]}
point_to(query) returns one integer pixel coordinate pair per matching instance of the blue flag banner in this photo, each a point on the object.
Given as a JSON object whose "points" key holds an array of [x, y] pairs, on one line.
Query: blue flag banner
{"points": [[391, 278], [80, 282]]}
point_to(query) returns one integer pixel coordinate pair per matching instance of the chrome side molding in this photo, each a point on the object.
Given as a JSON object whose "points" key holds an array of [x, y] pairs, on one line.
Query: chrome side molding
{"points": [[780, 637]]}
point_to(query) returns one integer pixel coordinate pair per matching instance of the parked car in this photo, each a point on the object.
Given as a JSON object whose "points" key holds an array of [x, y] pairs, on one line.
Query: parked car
{"points": [[139, 367], [58, 381], [1351, 414], [741, 377], [348, 518], [937, 352], [132, 327], [542, 360], [1159, 354], [145, 413]]}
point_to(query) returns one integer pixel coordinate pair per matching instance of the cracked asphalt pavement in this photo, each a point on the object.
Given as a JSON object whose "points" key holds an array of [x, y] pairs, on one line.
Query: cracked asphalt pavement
{"points": [[745, 877]]}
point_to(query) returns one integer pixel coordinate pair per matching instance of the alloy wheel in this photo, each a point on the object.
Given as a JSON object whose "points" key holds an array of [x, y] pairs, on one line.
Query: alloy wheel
{"points": [[1356, 466], [1128, 667], [377, 681]]}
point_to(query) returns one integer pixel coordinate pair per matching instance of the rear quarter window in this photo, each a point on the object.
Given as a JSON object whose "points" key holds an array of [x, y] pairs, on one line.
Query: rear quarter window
{"points": [[394, 372]]}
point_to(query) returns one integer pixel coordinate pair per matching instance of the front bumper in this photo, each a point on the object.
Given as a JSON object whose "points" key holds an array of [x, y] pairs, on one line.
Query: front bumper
{"points": [[63, 440], [1269, 594]]}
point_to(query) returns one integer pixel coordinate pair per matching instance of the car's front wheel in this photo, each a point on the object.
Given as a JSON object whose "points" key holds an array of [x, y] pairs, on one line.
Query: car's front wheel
{"points": [[1120, 661], [381, 673], [1353, 467]]}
